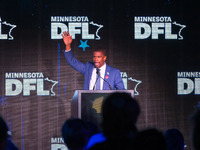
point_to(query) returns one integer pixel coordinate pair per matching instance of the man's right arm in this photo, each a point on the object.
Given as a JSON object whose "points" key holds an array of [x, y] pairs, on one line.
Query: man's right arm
{"points": [[73, 62]]}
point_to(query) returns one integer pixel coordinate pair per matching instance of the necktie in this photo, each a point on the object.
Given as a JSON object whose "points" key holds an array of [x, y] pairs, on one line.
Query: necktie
{"points": [[98, 85]]}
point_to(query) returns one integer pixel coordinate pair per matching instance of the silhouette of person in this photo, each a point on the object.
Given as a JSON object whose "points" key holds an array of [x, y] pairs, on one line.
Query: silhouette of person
{"points": [[119, 116], [75, 133], [3, 134], [149, 139], [196, 128], [174, 139], [5, 139]]}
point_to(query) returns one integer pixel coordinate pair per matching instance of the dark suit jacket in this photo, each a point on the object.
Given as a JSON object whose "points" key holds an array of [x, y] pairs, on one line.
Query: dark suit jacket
{"points": [[112, 75]]}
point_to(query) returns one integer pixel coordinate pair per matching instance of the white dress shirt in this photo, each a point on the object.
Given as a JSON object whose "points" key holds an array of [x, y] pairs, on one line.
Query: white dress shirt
{"points": [[94, 75]]}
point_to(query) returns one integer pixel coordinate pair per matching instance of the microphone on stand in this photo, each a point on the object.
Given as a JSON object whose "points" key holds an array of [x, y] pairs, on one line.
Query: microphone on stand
{"points": [[98, 73]]}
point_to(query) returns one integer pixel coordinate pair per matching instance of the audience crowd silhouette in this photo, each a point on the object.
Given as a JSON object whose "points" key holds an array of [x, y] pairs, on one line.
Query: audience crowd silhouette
{"points": [[119, 131]]}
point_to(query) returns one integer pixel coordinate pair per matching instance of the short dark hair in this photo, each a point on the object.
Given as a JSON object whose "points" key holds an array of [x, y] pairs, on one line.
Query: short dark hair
{"points": [[103, 50]]}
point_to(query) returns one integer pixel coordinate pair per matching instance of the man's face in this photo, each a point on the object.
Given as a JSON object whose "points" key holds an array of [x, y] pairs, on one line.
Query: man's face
{"points": [[99, 59]]}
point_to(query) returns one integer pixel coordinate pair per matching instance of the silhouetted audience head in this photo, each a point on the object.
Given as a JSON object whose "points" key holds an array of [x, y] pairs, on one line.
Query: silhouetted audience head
{"points": [[3, 134], [119, 115], [196, 128], [149, 139], [75, 134], [174, 139]]}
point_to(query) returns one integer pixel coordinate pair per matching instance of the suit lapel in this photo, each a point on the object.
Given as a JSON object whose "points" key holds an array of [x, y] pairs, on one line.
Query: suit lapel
{"points": [[90, 73], [106, 76]]}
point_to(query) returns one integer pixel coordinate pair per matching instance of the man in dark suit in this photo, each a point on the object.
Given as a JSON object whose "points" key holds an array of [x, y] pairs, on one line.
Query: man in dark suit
{"points": [[98, 75]]}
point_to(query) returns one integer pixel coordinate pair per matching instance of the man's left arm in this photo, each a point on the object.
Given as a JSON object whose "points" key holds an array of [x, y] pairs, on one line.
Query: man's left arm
{"points": [[119, 84]]}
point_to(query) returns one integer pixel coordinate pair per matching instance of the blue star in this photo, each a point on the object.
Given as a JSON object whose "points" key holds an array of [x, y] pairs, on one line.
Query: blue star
{"points": [[83, 44]]}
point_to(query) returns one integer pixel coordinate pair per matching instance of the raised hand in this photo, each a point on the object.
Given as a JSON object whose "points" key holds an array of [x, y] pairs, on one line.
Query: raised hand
{"points": [[67, 38]]}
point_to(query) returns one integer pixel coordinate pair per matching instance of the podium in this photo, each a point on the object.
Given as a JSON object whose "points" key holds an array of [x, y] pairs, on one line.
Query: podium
{"points": [[86, 104]]}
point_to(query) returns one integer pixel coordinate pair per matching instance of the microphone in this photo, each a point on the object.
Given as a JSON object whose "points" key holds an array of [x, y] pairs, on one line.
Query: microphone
{"points": [[98, 73]]}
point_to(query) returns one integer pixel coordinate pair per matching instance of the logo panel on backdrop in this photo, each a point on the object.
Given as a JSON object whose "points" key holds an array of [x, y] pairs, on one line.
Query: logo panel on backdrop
{"points": [[57, 143], [76, 25], [135, 82], [25, 82], [157, 27], [188, 82]]}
